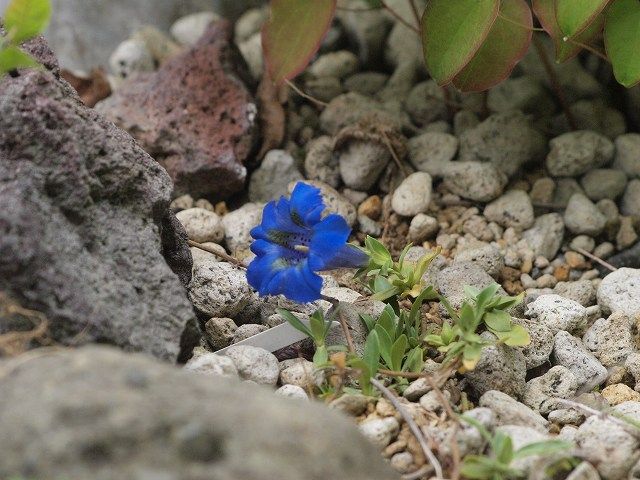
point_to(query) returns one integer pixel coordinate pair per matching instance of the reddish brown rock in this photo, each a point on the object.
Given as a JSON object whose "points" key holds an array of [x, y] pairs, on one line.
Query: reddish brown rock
{"points": [[194, 116]]}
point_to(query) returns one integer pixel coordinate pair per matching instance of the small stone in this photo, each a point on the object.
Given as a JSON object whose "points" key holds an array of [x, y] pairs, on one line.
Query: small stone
{"points": [[604, 250], [238, 225], [546, 235], [513, 209], [475, 181], [302, 373], [538, 351], [350, 404], [371, 207], [131, 57], [432, 151], [320, 163], [604, 183], [254, 363], [249, 23], [380, 431], [608, 446], [581, 291], [521, 437], [183, 202], [422, 227], [630, 204], [500, 368], [546, 281], [292, 391], [362, 162], [413, 195], [620, 291], [542, 191], [366, 83], [201, 257], [426, 104], [557, 313], [452, 280], [219, 290], [431, 402], [565, 189], [626, 235], [575, 153], [583, 242], [201, 225], [618, 393], [188, 29], [402, 462], [523, 93], [251, 50], [575, 260], [416, 389], [219, 332], [507, 140], [487, 257], [511, 412], [212, 364], [583, 217], [248, 330], [557, 382], [628, 154], [338, 64], [570, 352], [368, 226], [271, 179]]}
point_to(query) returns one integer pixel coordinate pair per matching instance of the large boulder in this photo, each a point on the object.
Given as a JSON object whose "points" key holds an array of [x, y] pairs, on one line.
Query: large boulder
{"points": [[86, 233], [98, 414], [194, 115]]}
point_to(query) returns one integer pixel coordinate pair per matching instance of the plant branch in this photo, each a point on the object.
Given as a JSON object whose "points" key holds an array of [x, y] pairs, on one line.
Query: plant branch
{"points": [[416, 14], [555, 83], [417, 432], [225, 256], [305, 95], [606, 265], [589, 48], [343, 322]]}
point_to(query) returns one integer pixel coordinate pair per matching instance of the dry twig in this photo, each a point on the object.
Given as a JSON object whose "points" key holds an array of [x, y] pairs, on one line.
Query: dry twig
{"points": [[218, 253]]}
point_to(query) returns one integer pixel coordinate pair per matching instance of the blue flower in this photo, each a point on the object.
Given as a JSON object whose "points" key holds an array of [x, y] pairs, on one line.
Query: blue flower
{"points": [[293, 242]]}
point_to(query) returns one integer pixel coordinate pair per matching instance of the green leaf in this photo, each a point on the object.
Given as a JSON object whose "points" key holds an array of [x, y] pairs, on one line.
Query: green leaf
{"points": [[452, 32], [483, 297], [12, 58], [24, 19], [397, 352], [507, 42], [498, 320], [378, 252], [574, 16], [546, 447], [414, 361], [321, 356], [292, 35], [427, 294], [318, 326], [516, 337], [477, 467], [468, 320], [435, 340], [622, 40], [471, 355], [565, 49], [385, 342], [502, 447], [371, 354], [295, 322]]}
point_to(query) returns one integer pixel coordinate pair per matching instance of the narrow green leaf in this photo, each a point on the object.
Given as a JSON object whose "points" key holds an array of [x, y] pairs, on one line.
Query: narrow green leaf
{"points": [[502, 447], [397, 352], [321, 356], [371, 354], [414, 361], [12, 58], [504, 46], [546, 447], [427, 294], [452, 32], [477, 467], [565, 49], [24, 19], [385, 342], [294, 321], [483, 297], [574, 16], [292, 35], [622, 40]]}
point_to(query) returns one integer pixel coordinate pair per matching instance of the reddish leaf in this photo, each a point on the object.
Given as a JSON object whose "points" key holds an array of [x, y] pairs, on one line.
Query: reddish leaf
{"points": [[293, 33], [452, 32], [545, 10], [506, 43], [574, 16]]}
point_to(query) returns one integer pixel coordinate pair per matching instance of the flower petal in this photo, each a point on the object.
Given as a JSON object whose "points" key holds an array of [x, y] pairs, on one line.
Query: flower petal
{"points": [[349, 256], [329, 236], [306, 204]]}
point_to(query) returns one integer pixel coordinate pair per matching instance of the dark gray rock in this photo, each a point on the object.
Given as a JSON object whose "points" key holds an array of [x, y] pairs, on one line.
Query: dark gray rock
{"points": [[100, 414], [85, 220]]}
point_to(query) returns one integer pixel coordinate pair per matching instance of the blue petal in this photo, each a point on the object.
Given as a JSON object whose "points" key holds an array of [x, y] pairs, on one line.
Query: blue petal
{"points": [[329, 236], [297, 283], [349, 256], [306, 204]]}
